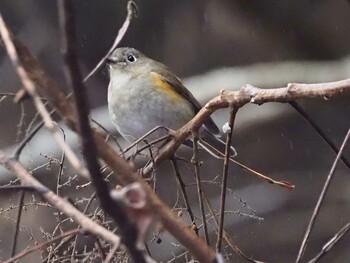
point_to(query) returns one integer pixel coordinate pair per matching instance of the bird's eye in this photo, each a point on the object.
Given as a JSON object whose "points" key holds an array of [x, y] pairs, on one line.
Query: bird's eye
{"points": [[131, 58]]}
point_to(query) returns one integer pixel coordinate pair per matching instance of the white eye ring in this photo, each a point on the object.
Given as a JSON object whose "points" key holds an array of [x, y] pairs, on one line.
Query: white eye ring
{"points": [[131, 58]]}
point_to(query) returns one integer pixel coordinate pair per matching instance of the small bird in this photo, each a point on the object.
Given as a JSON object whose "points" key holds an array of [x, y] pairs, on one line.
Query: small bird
{"points": [[144, 94]]}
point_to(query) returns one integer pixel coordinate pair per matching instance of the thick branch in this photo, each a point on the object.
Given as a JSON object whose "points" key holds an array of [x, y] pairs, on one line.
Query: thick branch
{"points": [[250, 94], [114, 209]]}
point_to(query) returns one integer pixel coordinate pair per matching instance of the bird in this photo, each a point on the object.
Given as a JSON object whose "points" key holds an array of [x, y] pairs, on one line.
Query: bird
{"points": [[144, 94]]}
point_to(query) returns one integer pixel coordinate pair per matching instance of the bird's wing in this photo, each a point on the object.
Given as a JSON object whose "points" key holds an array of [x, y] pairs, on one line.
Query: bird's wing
{"points": [[165, 75]]}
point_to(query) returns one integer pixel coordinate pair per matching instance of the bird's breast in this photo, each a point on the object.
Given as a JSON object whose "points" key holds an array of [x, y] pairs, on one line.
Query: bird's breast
{"points": [[137, 105]]}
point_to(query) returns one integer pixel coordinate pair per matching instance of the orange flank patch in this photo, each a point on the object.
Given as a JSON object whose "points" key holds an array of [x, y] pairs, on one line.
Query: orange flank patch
{"points": [[163, 86]]}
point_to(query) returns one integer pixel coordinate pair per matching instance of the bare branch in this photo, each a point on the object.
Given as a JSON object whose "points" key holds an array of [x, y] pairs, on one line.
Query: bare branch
{"points": [[226, 236], [24, 142], [224, 177], [132, 12], [321, 133], [334, 240], [250, 94], [30, 88], [196, 165], [61, 204], [21, 188], [183, 191], [321, 198], [39, 246], [114, 209], [18, 220]]}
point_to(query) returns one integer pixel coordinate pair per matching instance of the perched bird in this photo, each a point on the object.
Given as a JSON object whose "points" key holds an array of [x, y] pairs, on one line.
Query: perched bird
{"points": [[144, 94]]}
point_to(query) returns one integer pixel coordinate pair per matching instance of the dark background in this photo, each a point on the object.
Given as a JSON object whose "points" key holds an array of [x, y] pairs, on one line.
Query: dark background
{"points": [[192, 38]]}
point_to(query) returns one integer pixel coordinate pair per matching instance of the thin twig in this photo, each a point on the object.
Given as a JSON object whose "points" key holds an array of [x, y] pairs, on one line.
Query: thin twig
{"points": [[21, 188], [226, 236], [39, 246], [5, 94], [148, 145], [231, 121], [24, 142], [59, 203], [334, 240], [108, 134], [33, 132], [20, 123], [18, 220], [76, 237], [321, 198], [196, 164], [283, 184], [183, 191], [319, 131], [132, 12], [145, 136], [110, 254], [56, 248], [60, 173]]}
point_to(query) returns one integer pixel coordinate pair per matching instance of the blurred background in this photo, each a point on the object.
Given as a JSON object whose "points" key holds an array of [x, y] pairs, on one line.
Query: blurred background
{"points": [[211, 45]]}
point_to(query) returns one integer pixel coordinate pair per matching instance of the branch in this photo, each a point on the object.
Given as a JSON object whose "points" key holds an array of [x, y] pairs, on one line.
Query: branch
{"points": [[132, 12], [18, 220], [30, 88], [196, 165], [39, 246], [59, 203], [250, 94], [334, 240], [114, 209], [321, 198], [224, 177], [226, 236], [21, 188], [319, 131], [184, 192]]}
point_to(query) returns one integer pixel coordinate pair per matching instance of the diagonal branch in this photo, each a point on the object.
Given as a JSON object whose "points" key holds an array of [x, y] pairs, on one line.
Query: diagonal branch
{"points": [[30, 88], [25, 252], [321, 198], [58, 202], [114, 209], [132, 12], [320, 132], [334, 240]]}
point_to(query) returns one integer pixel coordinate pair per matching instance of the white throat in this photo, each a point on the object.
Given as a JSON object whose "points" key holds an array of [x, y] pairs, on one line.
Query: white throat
{"points": [[119, 79]]}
